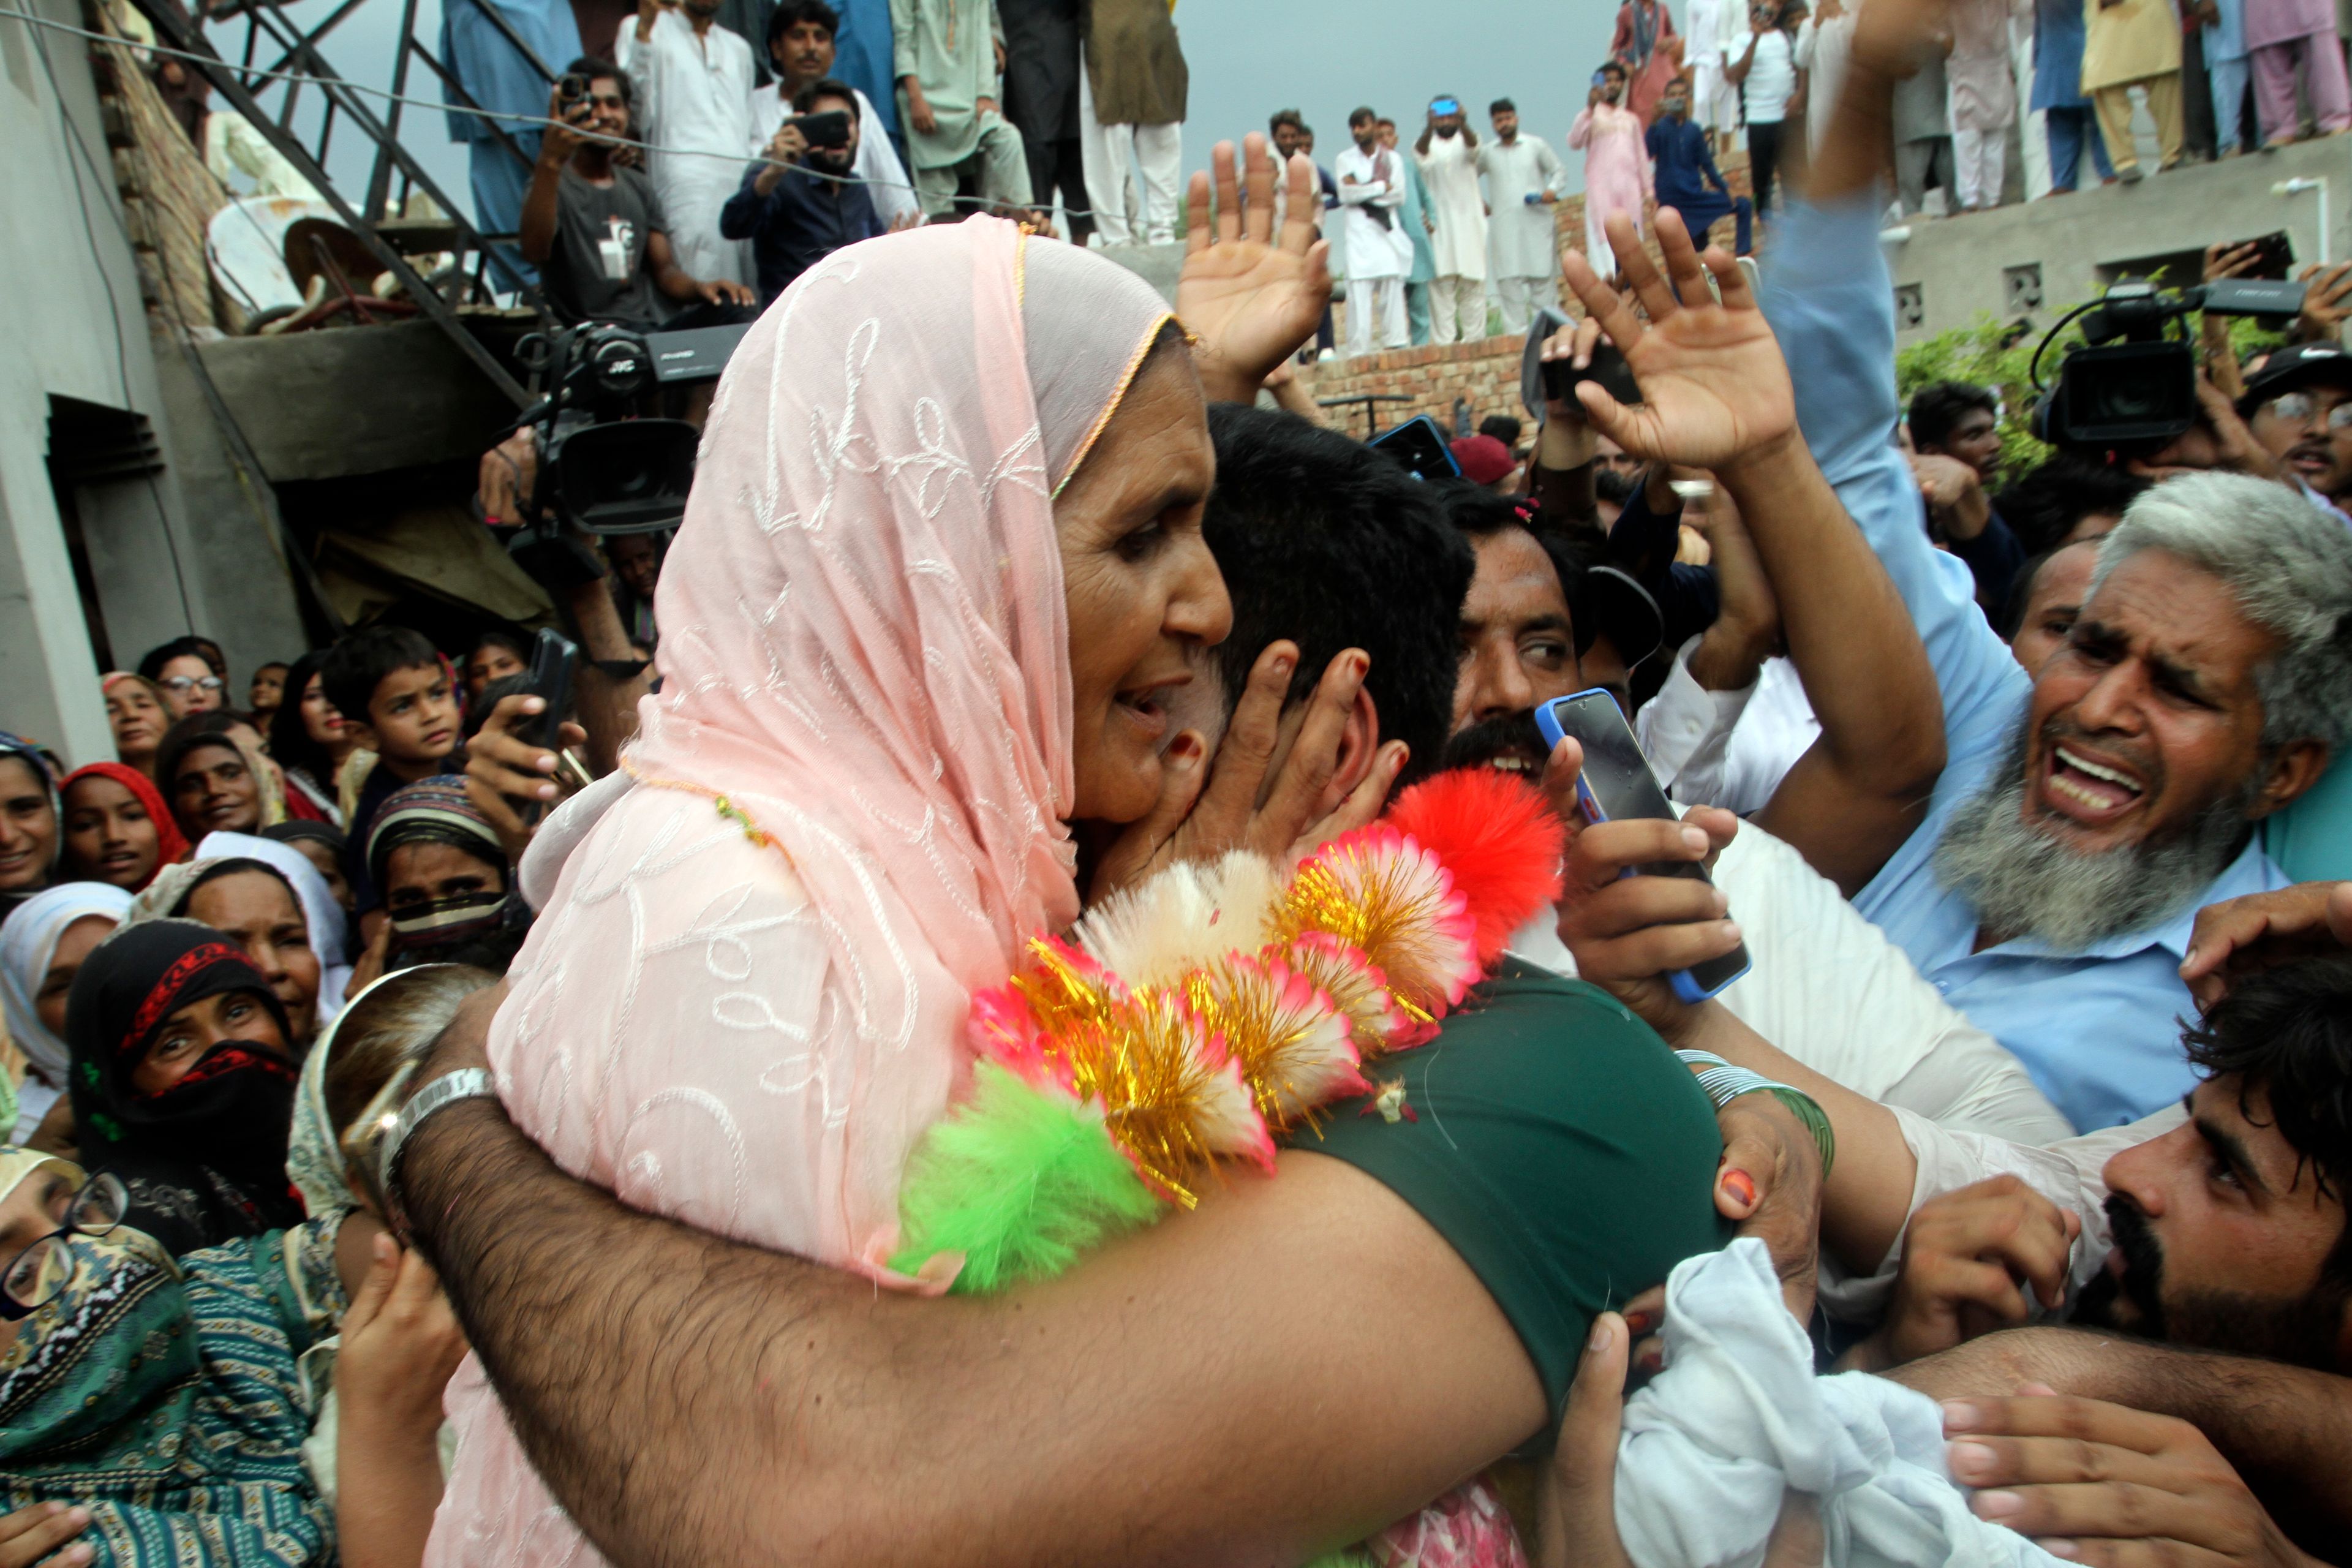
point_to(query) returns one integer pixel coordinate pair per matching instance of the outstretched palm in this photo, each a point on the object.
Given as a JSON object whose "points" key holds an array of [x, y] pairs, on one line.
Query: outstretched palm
{"points": [[1248, 296], [1714, 385]]}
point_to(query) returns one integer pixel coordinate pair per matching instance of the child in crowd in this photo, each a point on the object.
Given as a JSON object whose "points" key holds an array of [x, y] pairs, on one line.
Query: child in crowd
{"points": [[395, 693], [377, 1447], [118, 829]]}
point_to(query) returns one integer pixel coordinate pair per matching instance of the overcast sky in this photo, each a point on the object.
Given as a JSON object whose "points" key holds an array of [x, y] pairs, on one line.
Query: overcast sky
{"points": [[1249, 57]]}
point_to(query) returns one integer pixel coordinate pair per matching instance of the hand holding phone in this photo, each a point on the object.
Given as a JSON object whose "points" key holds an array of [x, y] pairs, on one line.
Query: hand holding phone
{"points": [[1616, 782], [554, 657]]}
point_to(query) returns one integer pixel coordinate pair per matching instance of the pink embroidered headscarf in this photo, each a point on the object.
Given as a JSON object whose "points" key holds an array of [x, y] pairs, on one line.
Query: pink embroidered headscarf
{"points": [[745, 1017]]}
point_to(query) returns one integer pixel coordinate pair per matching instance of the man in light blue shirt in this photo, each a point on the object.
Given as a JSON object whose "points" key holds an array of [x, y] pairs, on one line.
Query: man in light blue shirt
{"points": [[2086, 813]]}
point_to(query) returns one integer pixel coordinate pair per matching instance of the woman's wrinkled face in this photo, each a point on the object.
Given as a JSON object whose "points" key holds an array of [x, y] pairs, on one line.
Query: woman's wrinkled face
{"points": [[1143, 588], [189, 1035], [138, 721], [254, 910], [110, 837], [56, 982]]}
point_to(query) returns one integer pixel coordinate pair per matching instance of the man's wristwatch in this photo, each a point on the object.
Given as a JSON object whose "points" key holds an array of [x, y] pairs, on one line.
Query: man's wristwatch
{"points": [[466, 1083]]}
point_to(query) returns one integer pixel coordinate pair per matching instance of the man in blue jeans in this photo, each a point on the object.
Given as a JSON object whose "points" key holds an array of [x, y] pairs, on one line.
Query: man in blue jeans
{"points": [[2058, 34], [1684, 172]]}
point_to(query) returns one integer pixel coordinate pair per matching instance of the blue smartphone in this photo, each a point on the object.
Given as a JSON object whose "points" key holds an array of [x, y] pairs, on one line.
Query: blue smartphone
{"points": [[1446, 106], [1616, 782]]}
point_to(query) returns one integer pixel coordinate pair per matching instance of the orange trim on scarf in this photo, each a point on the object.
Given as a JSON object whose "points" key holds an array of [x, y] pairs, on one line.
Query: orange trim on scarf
{"points": [[1119, 396]]}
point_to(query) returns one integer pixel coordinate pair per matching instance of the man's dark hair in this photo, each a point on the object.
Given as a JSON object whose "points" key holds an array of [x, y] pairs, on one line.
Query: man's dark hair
{"points": [[1329, 544], [1503, 428], [1502, 106], [1935, 409], [360, 660], [1282, 117], [1363, 115], [204, 648], [1612, 68], [792, 13], [805, 101], [2287, 1031], [514, 643], [2042, 508], [596, 68], [2020, 594]]}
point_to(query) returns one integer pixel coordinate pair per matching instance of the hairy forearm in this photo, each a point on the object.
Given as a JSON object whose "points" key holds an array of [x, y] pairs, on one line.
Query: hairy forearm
{"points": [[691, 1400], [2286, 1428]]}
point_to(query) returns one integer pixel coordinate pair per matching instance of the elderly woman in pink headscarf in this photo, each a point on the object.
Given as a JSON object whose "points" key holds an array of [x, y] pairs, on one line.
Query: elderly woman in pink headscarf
{"points": [[941, 565]]}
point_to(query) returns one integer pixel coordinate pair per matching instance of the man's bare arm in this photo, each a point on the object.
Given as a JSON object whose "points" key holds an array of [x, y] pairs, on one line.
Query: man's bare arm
{"points": [[2284, 1429], [1295, 1364], [1857, 794]]}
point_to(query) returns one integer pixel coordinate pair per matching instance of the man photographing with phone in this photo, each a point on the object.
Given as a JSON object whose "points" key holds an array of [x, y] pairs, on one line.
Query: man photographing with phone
{"points": [[799, 204]]}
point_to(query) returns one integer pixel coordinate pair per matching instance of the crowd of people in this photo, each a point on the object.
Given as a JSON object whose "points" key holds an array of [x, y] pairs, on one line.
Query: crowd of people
{"points": [[1049, 998]]}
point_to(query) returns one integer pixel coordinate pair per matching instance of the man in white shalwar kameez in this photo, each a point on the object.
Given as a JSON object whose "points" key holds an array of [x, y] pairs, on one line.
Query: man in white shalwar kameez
{"points": [[692, 81], [1380, 253], [1524, 180], [1448, 152]]}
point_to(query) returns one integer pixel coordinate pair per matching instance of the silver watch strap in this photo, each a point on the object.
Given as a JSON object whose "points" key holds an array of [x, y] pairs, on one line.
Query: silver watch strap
{"points": [[466, 1083]]}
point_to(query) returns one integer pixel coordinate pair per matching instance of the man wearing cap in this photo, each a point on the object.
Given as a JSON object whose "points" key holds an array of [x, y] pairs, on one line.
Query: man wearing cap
{"points": [[2299, 406], [1485, 461]]}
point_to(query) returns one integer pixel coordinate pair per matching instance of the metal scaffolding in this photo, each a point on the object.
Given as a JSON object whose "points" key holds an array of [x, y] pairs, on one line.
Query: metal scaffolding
{"points": [[394, 173]]}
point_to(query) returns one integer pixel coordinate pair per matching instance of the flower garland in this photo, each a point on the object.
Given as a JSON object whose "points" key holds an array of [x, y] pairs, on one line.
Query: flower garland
{"points": [[1190, 1022]]}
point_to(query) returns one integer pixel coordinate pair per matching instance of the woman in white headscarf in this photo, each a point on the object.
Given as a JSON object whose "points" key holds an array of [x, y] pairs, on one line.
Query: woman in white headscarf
{"points": [[42, 945]]}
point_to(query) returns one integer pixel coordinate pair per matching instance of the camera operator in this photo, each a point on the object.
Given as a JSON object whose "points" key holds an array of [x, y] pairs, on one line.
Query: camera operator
{"points": [[596, 229], [2299, 407], [798, 206]]}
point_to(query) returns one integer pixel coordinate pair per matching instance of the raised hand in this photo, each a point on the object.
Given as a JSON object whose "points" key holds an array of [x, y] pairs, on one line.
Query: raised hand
{"points": [[1715, 388], [1250, 297]]}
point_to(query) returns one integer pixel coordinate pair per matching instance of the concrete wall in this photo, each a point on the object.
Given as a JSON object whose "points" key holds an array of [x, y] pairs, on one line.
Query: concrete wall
{"points": [[74, 323], [1963, 267]]}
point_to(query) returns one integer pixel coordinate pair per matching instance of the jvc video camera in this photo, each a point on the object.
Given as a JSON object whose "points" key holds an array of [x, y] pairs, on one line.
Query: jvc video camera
{"points": [[600, 469], [2134, 382]]}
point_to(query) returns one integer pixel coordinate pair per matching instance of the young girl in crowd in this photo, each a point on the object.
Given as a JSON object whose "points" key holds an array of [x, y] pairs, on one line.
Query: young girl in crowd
{"points": [[29, 821], [42, 947], [309, 742], [117, 828], [321, 844], [182, 1070], [138, 714]]}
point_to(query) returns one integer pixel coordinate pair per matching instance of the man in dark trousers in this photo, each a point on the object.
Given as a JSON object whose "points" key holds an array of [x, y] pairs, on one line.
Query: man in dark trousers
{"points": [[1684, 172], [797, 204], [1041, 98]]}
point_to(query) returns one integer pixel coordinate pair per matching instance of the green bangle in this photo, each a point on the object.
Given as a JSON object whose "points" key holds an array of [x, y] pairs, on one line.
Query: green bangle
{"points": [[1723, 1083]]}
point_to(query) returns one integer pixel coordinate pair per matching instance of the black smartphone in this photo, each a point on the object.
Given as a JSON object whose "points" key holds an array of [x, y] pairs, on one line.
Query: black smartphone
{"points": [[1420, 447], [2273, 257], [1616, 782], [552, 658], [570, 90], [1608, 367], [830, 129]]}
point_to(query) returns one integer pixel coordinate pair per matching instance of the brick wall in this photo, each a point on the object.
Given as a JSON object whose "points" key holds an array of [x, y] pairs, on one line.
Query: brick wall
{"points": [[168, 194], [1483, 373]]}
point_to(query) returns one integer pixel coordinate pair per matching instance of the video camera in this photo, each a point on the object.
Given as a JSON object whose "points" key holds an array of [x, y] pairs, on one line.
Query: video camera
{"points": [[602, 470], [2132, 386]]}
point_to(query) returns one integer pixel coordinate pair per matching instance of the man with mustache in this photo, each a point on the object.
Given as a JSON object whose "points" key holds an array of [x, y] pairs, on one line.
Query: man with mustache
{"points": [[2297, 407]]}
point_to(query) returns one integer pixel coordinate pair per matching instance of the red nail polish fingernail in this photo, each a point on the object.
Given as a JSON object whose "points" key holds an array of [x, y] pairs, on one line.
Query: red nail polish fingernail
{"points": [[1741, 1187]]}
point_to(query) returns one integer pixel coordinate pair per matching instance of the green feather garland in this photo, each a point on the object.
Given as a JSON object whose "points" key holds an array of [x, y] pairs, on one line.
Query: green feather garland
{"points": [[1020, 1181]]}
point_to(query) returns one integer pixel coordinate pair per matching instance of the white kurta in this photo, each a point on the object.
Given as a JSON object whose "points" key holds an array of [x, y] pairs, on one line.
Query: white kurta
{"points": [[1519, 236], [1451, 170], [877, 162], [693, 103], [1374, 249]]}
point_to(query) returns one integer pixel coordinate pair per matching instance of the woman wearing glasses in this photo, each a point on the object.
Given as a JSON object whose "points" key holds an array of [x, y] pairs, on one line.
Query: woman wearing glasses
{"points": [[151, 1408], [192, 672]]}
